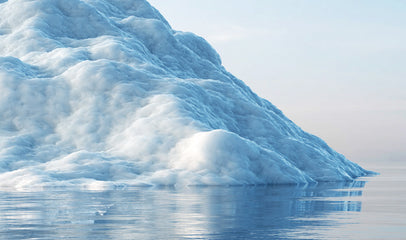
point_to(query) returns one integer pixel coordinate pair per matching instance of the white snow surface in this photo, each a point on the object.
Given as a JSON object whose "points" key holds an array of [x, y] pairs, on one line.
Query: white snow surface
{"points": [[104, 93]]}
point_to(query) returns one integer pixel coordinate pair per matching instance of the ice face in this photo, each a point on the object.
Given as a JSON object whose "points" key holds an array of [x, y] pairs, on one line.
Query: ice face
{"points": [[100, 93]]}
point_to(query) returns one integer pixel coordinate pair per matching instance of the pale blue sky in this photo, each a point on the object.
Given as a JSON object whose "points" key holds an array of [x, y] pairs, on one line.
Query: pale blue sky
{"points": [[336, 68]]}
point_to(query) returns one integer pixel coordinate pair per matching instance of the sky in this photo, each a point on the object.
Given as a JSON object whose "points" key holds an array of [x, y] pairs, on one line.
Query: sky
{"points": [[337, 68]]}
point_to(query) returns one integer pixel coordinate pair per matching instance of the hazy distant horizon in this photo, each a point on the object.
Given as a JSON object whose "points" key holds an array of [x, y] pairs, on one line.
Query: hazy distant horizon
{"points": [[335, 68]]}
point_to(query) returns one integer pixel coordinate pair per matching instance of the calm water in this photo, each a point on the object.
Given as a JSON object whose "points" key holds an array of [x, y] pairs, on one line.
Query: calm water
{"points": [[370, 208]]}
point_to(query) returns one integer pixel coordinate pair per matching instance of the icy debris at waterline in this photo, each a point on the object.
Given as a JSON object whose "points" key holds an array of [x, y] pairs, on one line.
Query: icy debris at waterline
{"points": [[102, 93]]}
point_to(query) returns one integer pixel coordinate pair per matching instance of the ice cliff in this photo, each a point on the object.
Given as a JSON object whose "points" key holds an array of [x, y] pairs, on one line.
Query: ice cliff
{"points": [[104, 93]]}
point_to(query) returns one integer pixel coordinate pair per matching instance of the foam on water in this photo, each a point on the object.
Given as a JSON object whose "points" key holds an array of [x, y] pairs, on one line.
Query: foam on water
{"points": [[104, 93]]}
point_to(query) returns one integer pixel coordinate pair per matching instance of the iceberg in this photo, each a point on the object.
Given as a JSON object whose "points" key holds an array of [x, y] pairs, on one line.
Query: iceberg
{"points": [[104, 93]]}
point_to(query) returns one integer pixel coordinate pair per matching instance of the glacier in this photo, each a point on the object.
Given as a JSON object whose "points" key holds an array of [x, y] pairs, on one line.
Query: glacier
{"points": [[104, 93]]}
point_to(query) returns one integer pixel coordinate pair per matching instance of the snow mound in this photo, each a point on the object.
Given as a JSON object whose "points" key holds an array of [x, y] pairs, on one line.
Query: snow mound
{"points": [[104, 93]]}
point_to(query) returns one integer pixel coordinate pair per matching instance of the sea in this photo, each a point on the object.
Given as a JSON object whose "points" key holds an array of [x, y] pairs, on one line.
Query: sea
{"points": [[372, 207]]}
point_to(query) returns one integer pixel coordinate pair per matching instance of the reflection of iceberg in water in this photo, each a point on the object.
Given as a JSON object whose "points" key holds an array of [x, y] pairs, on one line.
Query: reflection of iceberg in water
{"points": [[167, 213]]}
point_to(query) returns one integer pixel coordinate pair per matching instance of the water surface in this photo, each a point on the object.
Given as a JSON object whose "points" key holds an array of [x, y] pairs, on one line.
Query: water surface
{"points": [[369, 208]]}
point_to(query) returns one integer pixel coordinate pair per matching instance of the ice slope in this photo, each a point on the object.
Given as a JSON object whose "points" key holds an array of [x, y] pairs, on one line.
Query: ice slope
{"points": [[104, 93]]}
